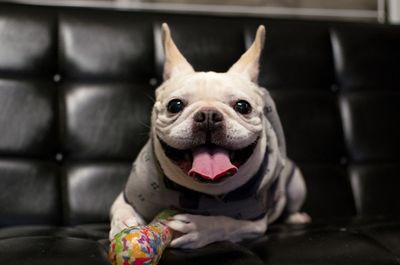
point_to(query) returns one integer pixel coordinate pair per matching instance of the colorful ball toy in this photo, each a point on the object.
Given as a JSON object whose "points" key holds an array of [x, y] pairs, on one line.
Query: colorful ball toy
{"points": [[142, 245]]}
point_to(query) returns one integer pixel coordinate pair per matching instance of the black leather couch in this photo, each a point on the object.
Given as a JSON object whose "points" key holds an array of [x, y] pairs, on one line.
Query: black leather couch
{"points": [[76, 88]]}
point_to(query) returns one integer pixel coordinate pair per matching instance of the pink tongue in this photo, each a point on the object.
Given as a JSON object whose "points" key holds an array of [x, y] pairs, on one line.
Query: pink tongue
{"points": [[211, 163]]}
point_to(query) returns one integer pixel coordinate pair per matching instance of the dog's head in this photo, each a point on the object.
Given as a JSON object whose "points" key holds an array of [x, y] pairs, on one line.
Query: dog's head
{"points": [[207, 127]]}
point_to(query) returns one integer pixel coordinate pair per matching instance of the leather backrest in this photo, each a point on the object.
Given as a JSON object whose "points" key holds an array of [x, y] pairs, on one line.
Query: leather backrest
{"points": [[77, 85], [368, 70], [29, 175]]}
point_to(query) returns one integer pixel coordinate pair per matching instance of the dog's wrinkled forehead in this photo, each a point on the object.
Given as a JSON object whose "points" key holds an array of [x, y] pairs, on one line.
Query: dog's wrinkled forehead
{"points": [[210, 86]]}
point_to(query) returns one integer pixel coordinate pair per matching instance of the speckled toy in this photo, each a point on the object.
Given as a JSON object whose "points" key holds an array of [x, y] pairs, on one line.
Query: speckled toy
{"points": [[142, 245]]}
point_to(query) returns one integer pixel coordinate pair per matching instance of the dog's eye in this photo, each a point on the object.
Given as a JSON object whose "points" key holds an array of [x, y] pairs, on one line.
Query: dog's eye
{"points": [[243, 107], [175, 106]]}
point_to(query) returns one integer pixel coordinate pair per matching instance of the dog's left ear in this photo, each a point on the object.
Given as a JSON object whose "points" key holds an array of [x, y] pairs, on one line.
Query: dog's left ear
{"points": [[248, 64]]}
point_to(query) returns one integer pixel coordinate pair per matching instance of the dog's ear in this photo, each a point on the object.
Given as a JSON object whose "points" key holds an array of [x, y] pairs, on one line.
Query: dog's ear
{"points": [[248, 64], [174, 64]]}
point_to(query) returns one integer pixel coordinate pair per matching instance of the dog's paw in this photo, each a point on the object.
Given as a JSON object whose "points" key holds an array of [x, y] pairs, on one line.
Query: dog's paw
{"points": [[197, 231], [298, 218], [122, 219]]}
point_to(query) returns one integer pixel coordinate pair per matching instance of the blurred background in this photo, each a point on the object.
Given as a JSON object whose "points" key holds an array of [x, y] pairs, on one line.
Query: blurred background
{"points": [[382, 11]]}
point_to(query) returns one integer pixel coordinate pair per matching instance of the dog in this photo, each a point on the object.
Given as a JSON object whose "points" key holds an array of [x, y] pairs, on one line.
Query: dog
{"points": [[216, 153]]}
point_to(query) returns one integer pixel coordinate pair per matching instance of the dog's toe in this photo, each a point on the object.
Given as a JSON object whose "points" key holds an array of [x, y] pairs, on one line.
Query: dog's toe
{"points": [[187, 241], [298, 218], [180, 226]]}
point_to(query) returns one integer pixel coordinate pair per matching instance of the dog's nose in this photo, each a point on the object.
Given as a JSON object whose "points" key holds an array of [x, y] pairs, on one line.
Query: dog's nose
{"points": [[208, 119]]}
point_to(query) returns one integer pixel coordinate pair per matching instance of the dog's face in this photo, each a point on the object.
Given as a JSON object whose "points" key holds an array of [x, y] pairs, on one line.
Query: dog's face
{"points": [[207, 127]]}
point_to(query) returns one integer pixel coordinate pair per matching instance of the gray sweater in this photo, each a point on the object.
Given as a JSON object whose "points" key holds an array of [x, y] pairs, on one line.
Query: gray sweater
{"points": [[149, 191]]}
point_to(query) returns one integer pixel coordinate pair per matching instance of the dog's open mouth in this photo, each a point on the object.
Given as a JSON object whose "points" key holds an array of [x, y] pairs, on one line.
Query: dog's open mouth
{"points": [[209, 163]]}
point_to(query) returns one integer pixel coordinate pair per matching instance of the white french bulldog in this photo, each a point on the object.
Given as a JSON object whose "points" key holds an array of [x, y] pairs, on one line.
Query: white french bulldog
{"points": [[216, 153]]}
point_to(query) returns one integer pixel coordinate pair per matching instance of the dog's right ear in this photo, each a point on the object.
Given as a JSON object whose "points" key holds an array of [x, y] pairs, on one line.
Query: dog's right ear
{"points": [[175, 64], [248, 64]]}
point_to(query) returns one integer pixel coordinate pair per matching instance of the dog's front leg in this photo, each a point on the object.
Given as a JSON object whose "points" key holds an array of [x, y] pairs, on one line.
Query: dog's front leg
{"points": [[198, 231], [123, 215]]}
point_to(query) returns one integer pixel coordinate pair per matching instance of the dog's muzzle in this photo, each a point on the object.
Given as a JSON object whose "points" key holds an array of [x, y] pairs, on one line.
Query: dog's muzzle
{"points": [[208, 162]]}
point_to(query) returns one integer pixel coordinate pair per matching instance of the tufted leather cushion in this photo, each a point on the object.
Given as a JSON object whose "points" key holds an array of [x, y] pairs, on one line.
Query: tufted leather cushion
{"points": [[328, 183], [32, 51], [317, 247], [314, 131], [108, 120], [367, 56], [368, 188], [118, 47], [45, 250], [370, 127], [82, 205], [296, 55], [30, 193], [28, 120]]}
